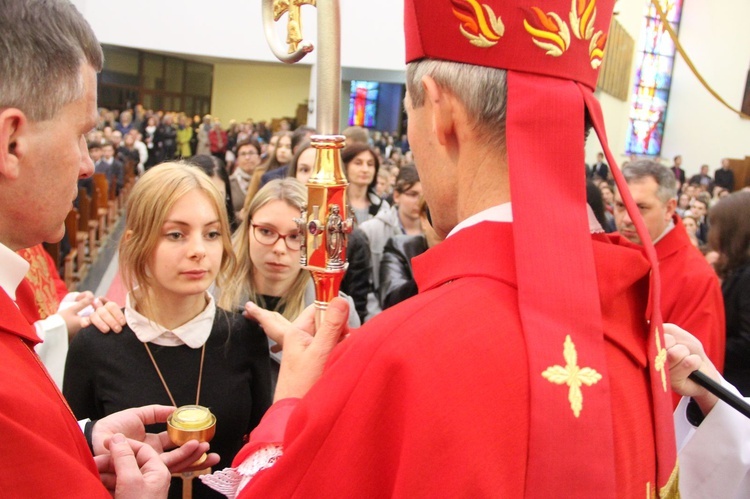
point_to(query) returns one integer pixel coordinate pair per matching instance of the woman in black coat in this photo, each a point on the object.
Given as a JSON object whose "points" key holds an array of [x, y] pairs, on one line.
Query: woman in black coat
{"points": [[396, 279], [730, 236]]}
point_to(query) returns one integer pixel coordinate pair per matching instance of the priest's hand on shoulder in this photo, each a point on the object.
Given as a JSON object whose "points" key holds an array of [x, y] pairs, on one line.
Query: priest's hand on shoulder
{"points": [[107, 316], [306, 349], [132, 423]]}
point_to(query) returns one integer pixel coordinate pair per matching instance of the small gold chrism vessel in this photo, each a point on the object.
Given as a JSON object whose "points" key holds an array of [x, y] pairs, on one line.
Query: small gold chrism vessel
{"points": [[191, 422]]}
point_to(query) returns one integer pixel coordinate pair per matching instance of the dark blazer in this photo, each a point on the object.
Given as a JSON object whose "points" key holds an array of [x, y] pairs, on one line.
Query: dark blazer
{"points": [[724, 178], [357, 281], [279, 173], [702, 232], [115, 172], [600, 170], [396, 279], [679, 174], [736, 291]]}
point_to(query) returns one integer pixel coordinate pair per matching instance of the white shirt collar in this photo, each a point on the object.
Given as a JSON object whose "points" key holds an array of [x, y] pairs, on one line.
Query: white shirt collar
{"points": [[193, 333], [504, 213], [499, 213], [14, 268], [671, 225]]}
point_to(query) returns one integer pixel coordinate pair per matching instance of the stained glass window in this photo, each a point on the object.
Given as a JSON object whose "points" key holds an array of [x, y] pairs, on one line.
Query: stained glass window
{"points": [[363, 103], [654, 59]]}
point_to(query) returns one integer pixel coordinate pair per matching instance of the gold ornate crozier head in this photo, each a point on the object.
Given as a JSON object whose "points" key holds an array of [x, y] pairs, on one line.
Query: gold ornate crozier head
{"points": [[294, 23]]}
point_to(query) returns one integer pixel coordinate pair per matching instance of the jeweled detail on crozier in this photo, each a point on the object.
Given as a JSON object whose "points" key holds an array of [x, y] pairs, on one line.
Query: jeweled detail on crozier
{"points": [[582, 17], [572, 375], [479, 24], [549, 32]]}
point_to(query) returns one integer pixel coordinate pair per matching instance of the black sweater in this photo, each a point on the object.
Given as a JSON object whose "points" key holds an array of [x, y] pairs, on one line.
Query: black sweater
{"points": [[736, 291], [106, 373]]}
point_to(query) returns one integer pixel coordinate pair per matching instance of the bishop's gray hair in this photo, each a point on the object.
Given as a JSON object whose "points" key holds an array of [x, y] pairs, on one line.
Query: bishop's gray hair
{"points": [[482, 91]]}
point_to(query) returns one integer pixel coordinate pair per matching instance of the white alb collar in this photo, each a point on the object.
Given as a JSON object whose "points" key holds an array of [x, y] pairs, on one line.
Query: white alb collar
{"points": [[193, 333], [499, 213], [14, 268], [504, 213]]}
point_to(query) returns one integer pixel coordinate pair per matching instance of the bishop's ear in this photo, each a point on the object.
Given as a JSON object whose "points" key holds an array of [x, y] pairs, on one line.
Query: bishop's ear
{"points": [[13, 123], [442, 107]]}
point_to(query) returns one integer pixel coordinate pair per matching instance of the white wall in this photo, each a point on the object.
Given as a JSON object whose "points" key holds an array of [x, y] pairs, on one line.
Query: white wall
{"points": [[698, 127], [232, 29], [615, 111]]}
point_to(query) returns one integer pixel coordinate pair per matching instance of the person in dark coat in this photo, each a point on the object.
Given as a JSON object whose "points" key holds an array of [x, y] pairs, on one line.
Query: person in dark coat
{"points": [[730, 236]]}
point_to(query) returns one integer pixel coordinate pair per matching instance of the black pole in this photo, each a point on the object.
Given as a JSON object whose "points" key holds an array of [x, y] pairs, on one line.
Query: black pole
{"points": [[721, 392]]}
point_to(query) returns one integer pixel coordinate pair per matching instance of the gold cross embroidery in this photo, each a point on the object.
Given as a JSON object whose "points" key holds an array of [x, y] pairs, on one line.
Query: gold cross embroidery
{"points": [[661, 360], [670, 491], [294, 25], [572, 375]]}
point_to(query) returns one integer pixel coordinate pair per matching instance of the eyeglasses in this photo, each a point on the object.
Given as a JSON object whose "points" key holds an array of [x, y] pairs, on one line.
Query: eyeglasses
{"points": [[248, 153], [268, 237]]}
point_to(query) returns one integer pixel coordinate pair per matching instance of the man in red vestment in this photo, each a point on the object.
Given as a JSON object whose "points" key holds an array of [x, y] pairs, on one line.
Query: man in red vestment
{"points": [[49, 62], [691, 295], [530, 363]]}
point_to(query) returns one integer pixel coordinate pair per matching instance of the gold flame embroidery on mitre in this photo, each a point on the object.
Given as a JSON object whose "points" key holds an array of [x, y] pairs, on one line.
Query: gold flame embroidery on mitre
{"points": [[596, 49], [582, 17], [549, 32], [479, 24]]}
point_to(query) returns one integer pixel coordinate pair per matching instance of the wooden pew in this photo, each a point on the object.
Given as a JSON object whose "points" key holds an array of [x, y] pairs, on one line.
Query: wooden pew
{"points": [[101, 201], [69, 270], [86, 224]]}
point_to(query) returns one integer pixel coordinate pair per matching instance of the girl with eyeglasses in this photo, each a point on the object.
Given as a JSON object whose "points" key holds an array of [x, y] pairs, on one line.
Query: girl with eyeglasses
{"points": [[267, 245]]}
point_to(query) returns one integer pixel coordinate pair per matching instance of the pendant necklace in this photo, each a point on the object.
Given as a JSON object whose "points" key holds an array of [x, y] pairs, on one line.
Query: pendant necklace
{"points": [[163, 381]]}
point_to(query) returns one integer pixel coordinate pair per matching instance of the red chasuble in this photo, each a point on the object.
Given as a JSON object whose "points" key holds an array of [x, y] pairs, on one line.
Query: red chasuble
{"points": [[431, 397], [691, 294], [44, 451]]}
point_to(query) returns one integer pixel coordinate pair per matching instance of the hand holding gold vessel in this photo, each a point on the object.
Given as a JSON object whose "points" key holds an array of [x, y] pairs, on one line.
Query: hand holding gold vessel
{"points": [[191, 422]]}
